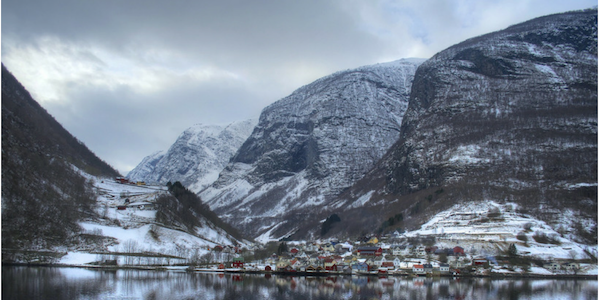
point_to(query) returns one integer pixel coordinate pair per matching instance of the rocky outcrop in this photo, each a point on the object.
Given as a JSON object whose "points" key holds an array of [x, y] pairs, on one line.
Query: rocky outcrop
{"points": [[511, 115]]}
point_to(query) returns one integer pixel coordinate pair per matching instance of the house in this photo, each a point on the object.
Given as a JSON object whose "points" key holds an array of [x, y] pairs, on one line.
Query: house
{"points": [[418, 269], [571, 266], [372, 251], [282, 265], [238, 262], [444, 268], [268, 269], [458, 251], [480, 262], [360, 267], [374, 240], [388, 265], [397, 263], [397, 251], [330, 264], [427, 268], [122, 180], [294, 251], [554, 266]]}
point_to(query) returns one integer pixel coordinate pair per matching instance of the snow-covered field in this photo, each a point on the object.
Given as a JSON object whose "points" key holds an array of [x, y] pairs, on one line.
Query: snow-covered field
{"points": [[488, 228], [127, 215]]}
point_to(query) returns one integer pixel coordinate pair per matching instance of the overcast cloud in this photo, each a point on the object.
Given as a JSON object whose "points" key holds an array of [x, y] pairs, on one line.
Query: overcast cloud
{"points": [[126, 77]]}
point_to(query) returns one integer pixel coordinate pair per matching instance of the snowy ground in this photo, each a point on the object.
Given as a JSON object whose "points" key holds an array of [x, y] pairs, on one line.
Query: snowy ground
{"points": [[488, 228], [135, 229]]}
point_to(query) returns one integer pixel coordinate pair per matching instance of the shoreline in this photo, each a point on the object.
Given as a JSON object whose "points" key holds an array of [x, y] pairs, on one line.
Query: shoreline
{"points": [[311, 274]]}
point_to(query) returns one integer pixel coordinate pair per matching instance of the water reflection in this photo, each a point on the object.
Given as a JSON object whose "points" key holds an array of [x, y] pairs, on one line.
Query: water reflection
{"points": [[72, 283]]}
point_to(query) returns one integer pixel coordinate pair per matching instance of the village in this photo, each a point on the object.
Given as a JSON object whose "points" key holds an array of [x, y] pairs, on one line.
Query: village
{"points": [[454, 243], [375, 257]]}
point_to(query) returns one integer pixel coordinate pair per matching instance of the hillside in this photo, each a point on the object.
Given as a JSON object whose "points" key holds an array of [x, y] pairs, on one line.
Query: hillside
{"points": [[43, 196]]}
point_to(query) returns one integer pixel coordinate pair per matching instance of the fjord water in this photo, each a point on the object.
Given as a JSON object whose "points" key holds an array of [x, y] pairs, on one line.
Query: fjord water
{"points": [[75, 283]]}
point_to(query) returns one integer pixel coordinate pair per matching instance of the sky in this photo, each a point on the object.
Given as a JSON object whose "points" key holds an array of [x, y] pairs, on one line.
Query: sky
{"points": [[127, 77]]}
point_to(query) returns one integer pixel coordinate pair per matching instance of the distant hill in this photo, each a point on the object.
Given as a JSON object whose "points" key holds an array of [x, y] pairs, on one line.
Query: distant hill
{"points": [[43, 195]]}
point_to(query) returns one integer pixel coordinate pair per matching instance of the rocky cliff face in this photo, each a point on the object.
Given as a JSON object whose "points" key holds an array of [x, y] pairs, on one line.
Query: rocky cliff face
{"points": [[510, 115], [311, 145], [196, 157]]}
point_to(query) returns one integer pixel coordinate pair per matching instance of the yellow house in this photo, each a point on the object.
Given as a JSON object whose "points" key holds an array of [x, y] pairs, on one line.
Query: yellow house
{"points": [[373, 241]]}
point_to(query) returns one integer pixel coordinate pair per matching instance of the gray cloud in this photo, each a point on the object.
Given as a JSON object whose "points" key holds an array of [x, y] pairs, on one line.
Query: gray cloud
{"points": [[127, 77]]}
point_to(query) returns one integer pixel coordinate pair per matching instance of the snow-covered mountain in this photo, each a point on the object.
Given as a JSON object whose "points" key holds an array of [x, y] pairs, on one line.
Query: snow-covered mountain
{"points": [[196, 157], [507, 116], [311, 145]]}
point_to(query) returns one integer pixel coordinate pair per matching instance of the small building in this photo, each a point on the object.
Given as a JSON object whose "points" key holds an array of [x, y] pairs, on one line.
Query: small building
{"points": [[444, 268], [238, 262], [428, 268], [397, 251], [282, 265], [389, 265], [458, 251], [553, 266], [371, 251], [360, 267], [570, 266], [330, 264], [418, 269], [480, 262]]}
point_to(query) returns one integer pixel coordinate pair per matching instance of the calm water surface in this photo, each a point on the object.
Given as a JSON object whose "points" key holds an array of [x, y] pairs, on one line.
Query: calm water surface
{"points": [[73, 283]]}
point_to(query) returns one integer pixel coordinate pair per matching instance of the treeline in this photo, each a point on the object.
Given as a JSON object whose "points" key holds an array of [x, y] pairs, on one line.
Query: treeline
{"points": [[183, 209]]}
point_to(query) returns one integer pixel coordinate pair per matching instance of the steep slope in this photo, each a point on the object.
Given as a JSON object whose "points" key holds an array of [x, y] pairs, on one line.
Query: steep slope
{"points": [[196, 157], [311, 145], [510, 115], [43, 196]]}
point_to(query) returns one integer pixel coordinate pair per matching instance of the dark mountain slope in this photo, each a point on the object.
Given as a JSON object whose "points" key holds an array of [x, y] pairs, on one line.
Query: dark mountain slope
{"points": [[508, 116], [42, 194]]}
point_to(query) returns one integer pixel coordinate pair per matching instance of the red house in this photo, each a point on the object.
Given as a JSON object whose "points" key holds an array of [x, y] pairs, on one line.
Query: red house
{"points": [[375, 251], [458, 250], [238, 262], [388, 265]]}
